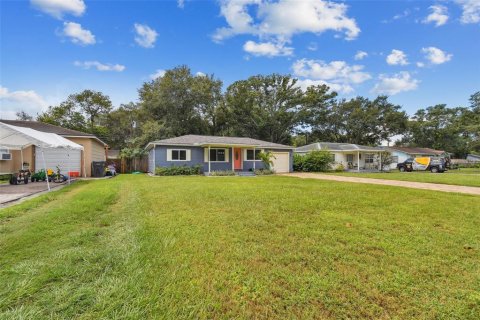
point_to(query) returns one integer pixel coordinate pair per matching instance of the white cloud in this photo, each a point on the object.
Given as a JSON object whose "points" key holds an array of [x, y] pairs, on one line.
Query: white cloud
{"points": [[337, 74], [313, 46], [99, 66], [420, 64], [470, 11], [77, 34], [200, 74], [15, 101], [436, 56], [360, 55], [158, 74], [395, 84], [397, 57], [268, 49], [276, 22], [439, 15], [58, 8], [146, 36]]}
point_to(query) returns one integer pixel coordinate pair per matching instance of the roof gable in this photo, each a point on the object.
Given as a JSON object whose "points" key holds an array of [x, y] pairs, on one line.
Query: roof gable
{"points": [[50, 128]]}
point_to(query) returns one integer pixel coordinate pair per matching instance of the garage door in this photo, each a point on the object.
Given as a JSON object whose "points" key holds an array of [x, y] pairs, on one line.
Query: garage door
{"points": [[281, 163], [65, 159]]}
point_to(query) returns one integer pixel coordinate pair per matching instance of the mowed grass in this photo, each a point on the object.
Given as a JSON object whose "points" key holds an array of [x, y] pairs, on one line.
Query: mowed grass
{"points": [[463, 177], [137, 247]]}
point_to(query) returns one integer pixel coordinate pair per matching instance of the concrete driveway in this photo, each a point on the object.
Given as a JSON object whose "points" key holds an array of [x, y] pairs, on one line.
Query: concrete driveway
{"points": [[10, 193], [405, 184]]}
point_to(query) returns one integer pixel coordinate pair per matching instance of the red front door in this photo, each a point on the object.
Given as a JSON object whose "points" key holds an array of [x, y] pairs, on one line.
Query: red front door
{"points": [[237, 158]]}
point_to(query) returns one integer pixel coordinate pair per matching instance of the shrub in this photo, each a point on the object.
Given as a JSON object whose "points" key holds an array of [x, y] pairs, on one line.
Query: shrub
{"points": [[298, 161], [317, 161], [264, 172], [340, 168], [266, 158], [222, 173], [178, 170]]}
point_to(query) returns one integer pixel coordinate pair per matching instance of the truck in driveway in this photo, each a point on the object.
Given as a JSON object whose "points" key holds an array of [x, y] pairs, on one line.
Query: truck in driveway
{"points": [[431, 164]]}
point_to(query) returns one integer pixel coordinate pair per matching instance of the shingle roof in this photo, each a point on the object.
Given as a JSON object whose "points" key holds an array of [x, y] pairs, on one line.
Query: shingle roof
{"points": [[414, 150], [333, 146], [50, 128], [204, 140]]}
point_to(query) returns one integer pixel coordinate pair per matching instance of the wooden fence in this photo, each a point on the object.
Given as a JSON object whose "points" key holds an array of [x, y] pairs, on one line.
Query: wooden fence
{"points": [[130, 165]]}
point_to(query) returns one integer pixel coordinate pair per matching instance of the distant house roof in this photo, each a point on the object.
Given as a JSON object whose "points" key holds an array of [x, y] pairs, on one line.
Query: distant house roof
{"points": [[197, 140], [333, 146], [414, 150], [50, 128]]}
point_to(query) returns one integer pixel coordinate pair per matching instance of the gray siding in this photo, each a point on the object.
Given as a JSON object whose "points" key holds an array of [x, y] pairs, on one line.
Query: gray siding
{"points": [[197, 158]]}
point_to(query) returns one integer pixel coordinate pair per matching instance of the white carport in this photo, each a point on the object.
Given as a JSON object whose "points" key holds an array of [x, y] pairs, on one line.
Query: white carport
{"points": [[18, 138]]}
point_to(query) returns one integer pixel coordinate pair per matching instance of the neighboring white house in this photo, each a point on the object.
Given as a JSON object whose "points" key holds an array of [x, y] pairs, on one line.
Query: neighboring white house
{"points": [[350, 156], [473, 158], [400, 154]]}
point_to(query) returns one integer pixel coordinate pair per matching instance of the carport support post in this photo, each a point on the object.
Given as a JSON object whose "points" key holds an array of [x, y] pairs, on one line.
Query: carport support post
{"points": [[358, 161], [45, 167]]}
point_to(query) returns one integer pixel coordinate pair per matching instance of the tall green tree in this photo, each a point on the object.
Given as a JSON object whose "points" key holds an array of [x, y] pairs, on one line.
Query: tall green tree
{"points": [[185, 103], [64, 115], [22, 115], [264, 107], [93, 104]]}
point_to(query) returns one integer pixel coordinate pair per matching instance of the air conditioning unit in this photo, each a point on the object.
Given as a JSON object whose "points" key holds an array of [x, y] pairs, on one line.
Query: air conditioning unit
{"points": [[5, 156]]}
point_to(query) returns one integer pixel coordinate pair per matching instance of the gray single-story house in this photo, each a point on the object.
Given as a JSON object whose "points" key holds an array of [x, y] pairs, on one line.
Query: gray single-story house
{"points": [[217, 153]]}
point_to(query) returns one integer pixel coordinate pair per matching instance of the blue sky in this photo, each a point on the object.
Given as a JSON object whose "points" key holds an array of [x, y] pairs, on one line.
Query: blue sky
{"points": [[420, 53]]}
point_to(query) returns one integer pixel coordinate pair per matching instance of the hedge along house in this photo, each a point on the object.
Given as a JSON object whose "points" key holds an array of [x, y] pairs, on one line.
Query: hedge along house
{"points": [[351, 156], [214, 153]]}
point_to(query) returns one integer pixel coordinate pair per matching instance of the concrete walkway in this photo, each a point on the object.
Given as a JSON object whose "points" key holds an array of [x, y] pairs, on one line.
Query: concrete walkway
{"points": [[405, 184]]}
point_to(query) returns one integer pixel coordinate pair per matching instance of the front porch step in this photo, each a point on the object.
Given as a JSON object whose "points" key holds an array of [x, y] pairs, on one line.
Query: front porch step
{"points": [[246, 173]]}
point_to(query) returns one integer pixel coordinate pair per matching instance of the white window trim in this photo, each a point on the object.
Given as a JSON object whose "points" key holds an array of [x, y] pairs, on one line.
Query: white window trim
{"points": [[369, 156], [227, 157], [170, 153], [246, 153]]}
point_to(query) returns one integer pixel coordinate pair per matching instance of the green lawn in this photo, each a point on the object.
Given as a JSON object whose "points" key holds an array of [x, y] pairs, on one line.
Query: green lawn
{"points": [[137, 247], [462, 177]]}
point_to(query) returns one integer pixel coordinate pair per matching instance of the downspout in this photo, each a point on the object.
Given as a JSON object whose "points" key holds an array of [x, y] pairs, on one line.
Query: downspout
{"points": [[208, 160]]}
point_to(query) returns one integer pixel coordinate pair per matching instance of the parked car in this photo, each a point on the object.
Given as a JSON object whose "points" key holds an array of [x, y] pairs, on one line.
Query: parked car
{"points": [[431, 164]]}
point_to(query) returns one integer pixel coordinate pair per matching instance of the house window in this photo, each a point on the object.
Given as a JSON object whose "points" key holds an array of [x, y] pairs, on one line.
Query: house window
{"points": [[394, 159], [5, 155], [369, 157], [250, 154], [179, 155], [332, 156], [217, 155], [349, 157]]}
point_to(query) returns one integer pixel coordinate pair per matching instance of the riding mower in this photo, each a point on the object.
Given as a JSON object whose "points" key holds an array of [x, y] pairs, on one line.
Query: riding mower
{"points": [[39, 176], [21, 176]]}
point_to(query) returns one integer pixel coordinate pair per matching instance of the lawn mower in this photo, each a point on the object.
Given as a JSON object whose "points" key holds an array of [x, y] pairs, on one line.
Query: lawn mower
{"points": [[39, 176]]}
